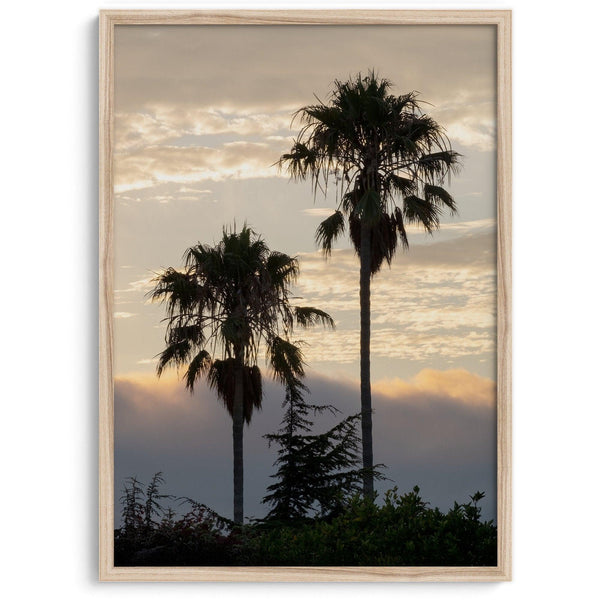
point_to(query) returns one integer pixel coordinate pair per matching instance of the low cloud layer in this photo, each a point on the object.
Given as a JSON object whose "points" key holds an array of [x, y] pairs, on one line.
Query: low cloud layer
{"points": [[437, 431], [455, 386]]}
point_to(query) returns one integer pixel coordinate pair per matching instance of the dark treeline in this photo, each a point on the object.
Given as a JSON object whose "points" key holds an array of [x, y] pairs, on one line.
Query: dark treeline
{"points": [[318, 515], [402, 531]]}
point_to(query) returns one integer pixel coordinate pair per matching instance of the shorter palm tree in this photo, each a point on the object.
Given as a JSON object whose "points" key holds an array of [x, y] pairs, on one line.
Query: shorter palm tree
{"points": [[228, 301]]}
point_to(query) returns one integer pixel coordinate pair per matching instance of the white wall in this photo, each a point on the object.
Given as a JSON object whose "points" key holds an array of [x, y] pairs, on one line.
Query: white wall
{"points": [[48, 229]]}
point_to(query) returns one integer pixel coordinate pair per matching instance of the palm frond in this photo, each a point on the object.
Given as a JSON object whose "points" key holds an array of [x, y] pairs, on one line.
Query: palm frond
{"points": [[176, 288], [399, 184], [329, 230], [199, 366], [283, 269], [221, 378], [307, 316], [384, 240], [286, 359], [399, 222], [422, 212], [174, 354], [437, 165], [438, 195], [178, 330], [300, 161]]}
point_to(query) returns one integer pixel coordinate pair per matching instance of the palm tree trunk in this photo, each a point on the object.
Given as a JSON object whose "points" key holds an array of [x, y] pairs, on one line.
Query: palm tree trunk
{"points": [[238, 444], [365, 359]]}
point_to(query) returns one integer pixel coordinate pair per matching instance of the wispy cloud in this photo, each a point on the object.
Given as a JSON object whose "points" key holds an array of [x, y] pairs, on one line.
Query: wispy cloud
{"points": [[138, 286], [191, 164], [437, 300], [189, 190], [318, 212], [166, 123], [171, 110], [124, 315], [469, 118], [147, 361]]}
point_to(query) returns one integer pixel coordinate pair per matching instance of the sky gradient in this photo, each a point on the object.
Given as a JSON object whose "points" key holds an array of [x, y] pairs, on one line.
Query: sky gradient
{"points": [[202, 115]]}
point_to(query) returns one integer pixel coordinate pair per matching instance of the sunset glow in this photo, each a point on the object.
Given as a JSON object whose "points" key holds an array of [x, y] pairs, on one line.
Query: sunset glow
{"points": [[197, 142]]}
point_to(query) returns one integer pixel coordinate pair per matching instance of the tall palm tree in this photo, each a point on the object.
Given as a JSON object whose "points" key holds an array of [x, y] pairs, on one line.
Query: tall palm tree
{"points": [[389, 161], [228, 301]]}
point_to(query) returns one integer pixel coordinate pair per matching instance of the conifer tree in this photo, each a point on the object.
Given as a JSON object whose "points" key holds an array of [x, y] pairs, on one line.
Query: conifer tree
{"points": [[317, 473]]}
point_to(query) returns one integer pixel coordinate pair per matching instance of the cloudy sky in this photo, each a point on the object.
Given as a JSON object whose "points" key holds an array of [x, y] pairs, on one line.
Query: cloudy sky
{"points": [[202, 114]]}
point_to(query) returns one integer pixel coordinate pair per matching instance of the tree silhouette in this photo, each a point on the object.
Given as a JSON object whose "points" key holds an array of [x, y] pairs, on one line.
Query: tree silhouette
{"points": [[316, 473], [228, 301], [389, 161]]}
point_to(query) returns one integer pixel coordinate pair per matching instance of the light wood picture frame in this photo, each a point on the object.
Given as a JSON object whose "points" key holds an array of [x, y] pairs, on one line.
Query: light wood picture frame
{"points": [[110, 20]]}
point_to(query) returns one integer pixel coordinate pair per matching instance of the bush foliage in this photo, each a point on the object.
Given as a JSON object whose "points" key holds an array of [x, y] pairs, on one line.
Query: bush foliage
{"points": [[401, 531]]}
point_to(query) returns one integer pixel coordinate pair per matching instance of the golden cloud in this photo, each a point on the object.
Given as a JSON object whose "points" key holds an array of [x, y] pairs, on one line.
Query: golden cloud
{"points": [[457, 385], [149, 393]]}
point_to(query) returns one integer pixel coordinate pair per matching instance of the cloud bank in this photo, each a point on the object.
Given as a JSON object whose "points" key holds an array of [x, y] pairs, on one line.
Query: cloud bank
{"points": [[437, 431]]}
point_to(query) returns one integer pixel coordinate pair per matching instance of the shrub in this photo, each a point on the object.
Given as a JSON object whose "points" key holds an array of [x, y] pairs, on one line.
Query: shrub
{"points": [[402, 531]]}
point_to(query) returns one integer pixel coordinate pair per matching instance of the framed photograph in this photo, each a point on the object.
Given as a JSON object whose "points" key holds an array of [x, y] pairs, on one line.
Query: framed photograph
{"points": [[305, 296]]}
